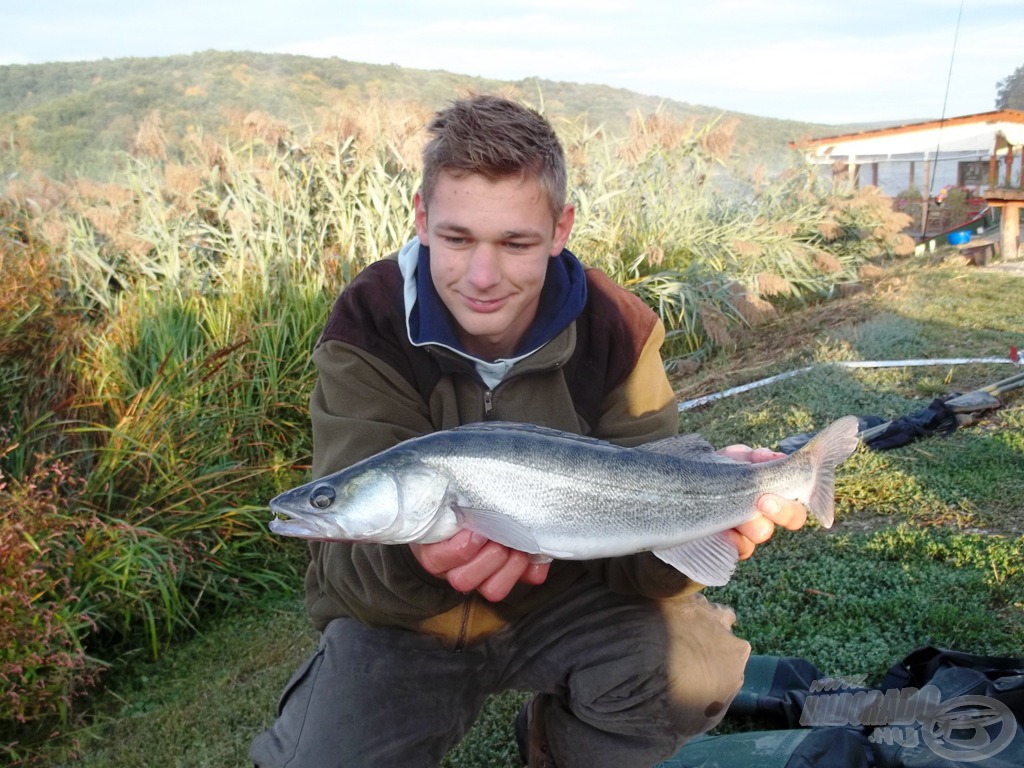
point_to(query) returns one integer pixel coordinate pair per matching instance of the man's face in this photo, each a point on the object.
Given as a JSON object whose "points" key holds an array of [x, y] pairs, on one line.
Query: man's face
{"points": [[490, 242]]}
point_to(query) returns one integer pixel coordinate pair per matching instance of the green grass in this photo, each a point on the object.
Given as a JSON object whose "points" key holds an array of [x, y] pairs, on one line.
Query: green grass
{"points": [[926, 548], [199, 704], [852, 603]]}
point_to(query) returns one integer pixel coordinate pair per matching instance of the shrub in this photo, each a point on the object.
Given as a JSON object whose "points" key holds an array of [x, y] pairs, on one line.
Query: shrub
{"points": [[43, 665]]}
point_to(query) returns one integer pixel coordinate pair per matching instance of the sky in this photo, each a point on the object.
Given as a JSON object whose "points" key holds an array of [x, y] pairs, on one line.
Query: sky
{"points": [[823, 61]]}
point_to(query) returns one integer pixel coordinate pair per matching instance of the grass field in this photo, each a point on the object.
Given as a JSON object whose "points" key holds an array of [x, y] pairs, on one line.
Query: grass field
{"points": [[926, 548]]}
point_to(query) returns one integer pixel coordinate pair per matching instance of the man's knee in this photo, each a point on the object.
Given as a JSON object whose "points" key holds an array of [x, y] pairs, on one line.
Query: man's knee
{"points": [[705, 663]]}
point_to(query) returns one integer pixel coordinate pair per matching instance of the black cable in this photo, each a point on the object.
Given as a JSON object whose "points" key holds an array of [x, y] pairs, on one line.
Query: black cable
{"points": [[945, 100]]}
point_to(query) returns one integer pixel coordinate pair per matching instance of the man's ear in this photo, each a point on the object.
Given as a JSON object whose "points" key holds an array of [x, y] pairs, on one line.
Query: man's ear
{"points": [[420, 207], [563, 226]]}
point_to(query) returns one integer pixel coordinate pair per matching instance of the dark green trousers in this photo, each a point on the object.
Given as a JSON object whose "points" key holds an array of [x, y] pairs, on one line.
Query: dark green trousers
{"points": [[625, 682]]}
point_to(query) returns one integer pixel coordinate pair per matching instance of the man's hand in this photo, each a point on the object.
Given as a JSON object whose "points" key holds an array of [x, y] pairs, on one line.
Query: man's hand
{"points": [[774, 509], [470, 561]]}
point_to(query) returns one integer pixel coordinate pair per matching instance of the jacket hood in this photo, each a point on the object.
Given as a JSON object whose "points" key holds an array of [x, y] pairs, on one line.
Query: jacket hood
{"points": [[428, 321]]}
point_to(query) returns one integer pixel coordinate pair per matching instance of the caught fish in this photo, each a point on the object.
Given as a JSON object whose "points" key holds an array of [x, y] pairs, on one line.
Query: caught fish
{"points": [[556, 495]]}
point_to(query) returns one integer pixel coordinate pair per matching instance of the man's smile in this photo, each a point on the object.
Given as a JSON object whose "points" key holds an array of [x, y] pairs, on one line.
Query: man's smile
{"points": [[485, 305]]}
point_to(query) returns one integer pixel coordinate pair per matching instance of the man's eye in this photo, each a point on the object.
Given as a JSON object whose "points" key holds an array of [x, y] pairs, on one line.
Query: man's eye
{"points": [[517, 246], [452, 240]]}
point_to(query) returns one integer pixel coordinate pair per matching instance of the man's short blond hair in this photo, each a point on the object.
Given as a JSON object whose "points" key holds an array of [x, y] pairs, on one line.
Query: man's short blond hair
{"points": [[496, 138]]}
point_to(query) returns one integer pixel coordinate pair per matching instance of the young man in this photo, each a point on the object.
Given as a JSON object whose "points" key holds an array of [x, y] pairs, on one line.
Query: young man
{"points": [[486, 315]]}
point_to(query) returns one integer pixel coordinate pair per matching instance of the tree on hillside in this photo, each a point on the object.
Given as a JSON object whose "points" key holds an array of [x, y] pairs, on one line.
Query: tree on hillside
{"points": [[1010, 93]]}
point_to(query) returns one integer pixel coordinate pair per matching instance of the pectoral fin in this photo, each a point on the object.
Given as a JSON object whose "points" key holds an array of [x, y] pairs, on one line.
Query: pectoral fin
{"points": [[709, 561], [498, 527]]}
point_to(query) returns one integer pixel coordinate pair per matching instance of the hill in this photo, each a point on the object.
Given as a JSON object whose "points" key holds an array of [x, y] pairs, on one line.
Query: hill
{"points": [[77, 118]]}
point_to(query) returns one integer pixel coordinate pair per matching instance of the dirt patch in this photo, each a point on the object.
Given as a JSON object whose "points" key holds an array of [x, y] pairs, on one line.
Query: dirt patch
{"points": [[759, 353], [1006, 267]]}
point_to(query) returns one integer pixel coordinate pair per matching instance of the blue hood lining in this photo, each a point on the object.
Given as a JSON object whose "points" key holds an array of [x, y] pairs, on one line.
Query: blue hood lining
{"points": [[562, 299]]}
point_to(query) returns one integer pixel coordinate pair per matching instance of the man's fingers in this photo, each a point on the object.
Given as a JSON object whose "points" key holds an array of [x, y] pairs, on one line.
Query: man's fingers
{"points": [[439, 558], [782, 511], [491, 559], [735, 452], [470, 561], [756, 531], [536, 573], [774, 510], [744, 546], [758, 455], [748, 455], [497, 586]]}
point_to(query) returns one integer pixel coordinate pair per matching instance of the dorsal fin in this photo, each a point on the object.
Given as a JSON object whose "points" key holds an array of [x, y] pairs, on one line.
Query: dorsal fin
{"points": [[691, 447], [484, 427]]}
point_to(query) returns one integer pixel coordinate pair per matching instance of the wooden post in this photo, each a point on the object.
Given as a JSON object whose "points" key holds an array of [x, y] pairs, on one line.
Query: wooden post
{"points": [[911, 184], [1010, 230], [1009, 166], [1009, 202], [874, 174], [993, 166]]}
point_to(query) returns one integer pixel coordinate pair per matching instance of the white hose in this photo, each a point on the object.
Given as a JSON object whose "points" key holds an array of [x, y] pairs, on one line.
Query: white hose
{"points": [[685, 406]]}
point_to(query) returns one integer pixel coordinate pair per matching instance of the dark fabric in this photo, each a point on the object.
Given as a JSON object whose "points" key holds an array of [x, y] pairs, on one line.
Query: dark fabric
{"points": [[936, 419], [369, 314], [996, 677], [774, 690], [935, 708], [624, 682], [609, 336], [814, 748], [980, 716]]}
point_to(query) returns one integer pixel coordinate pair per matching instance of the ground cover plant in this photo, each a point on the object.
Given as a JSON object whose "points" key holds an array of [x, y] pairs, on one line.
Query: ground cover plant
{"points": [[154, 353]]}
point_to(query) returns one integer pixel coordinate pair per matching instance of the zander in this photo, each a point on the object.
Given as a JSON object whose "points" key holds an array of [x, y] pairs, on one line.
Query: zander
{"points": [[558, 495]]}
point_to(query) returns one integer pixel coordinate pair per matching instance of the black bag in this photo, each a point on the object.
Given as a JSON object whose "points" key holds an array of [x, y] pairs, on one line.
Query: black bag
{"points": [[797, 748], [934, 709]]}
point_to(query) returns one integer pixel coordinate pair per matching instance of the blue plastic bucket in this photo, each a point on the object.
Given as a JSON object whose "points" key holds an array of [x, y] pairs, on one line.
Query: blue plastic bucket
{"points": [[958, 238]]}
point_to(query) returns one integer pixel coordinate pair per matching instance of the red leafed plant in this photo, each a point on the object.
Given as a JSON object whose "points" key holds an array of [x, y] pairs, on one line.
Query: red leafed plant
{"points": [[43, 666]]}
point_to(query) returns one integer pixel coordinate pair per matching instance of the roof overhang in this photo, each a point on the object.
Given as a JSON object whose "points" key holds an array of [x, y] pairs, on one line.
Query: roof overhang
{"points": [[968, 137]]}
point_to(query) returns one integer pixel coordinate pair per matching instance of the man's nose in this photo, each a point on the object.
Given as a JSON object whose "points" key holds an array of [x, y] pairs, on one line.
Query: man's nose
{"points": [[484, 267]]}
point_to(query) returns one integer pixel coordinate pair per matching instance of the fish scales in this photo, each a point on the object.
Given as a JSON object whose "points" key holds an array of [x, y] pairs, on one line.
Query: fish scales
{"points": [[558, 495], [619, 492]]}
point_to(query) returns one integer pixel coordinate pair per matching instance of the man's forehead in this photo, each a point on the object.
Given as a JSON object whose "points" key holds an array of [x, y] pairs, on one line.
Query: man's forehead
{"points": [[471, 186]]}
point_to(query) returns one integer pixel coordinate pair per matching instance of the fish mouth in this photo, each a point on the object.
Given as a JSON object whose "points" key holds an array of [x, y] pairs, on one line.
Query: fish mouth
{"points": [[301, 524], [295, 526]]}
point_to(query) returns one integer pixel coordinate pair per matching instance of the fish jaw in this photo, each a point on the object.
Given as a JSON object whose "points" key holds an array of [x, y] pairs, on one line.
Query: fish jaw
{"points": [[313, 529]]}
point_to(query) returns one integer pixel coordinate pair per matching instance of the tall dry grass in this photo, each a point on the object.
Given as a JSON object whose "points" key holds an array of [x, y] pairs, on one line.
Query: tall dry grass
{"points": [[712, 248]]}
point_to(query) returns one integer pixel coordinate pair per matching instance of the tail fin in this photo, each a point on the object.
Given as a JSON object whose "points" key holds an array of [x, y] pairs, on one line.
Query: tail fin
{"points": [[827, 450]]}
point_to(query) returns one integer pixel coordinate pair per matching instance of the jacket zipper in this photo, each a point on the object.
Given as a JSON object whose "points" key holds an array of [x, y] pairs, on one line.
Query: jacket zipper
{"points": [[488, 404], [460, 641]]}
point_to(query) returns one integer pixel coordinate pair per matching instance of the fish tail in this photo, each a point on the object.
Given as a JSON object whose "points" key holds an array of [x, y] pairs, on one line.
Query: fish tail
{"points": [[825, 451]]}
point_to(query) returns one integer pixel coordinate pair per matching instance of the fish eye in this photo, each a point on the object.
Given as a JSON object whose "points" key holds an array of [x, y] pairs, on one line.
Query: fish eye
{"points": [[322, 496]]}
